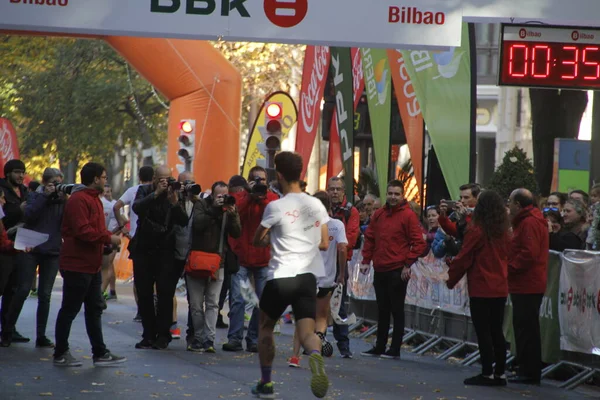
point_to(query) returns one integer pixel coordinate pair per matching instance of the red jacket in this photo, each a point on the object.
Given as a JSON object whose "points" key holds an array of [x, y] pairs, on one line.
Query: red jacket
{"points": [[528, 262], [352, 224], [251, 213], [6, 245], [84, 233], [394, 239], [484, 261], [451, 227]]}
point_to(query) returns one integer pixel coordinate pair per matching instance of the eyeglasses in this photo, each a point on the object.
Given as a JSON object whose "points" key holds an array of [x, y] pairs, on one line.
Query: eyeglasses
{"points": [[551, 209], [335, 189]]}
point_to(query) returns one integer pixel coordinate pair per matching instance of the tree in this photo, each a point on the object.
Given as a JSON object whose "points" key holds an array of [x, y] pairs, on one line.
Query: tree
{"points": [[515, 172], [555, 114]]}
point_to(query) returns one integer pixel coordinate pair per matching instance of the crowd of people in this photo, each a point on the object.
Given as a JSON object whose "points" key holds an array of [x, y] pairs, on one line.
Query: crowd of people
{"points": [[285, 246]]}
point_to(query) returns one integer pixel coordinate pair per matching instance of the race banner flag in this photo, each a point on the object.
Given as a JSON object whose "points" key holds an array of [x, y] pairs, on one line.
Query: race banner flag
{"points": [[314, 76], [442, 82], [410, 111], [334, 159], [9, 146], [256, 148], [341, 71], [378, 83]]}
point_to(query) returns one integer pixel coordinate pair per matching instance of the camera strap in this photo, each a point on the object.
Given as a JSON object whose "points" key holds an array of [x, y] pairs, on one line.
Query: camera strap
{"points": [[223, 233]]}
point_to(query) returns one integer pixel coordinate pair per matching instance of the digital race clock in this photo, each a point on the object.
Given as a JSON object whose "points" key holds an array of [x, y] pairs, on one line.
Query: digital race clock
{"points": [[550, 57]]}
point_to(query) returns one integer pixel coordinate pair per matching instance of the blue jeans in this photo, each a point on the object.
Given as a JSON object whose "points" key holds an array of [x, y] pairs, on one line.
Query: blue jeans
{"points": [[237, 305], [340, 332], [27, 265]]}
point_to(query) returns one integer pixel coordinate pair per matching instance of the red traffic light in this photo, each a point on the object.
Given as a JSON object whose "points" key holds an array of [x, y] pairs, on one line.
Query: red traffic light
{"points": [[186, 126], [274, 110]]}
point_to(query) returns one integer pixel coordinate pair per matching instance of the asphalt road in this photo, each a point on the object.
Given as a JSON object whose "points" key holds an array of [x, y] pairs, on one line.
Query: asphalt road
{"points": [[28, 373]]}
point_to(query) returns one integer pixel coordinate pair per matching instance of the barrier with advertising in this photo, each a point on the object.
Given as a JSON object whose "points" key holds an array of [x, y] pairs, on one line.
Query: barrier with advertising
{"points": [[579, 307]]}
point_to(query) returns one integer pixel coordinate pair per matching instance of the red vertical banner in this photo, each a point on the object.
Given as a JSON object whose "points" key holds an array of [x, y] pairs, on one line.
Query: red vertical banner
{"points": [[334, 161], [314, 76], [9, 146], [410, 111]]}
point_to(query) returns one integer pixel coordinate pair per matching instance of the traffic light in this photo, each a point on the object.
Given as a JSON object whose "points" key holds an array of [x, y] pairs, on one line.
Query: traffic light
{"points": [[273, 125], [187, 145]]}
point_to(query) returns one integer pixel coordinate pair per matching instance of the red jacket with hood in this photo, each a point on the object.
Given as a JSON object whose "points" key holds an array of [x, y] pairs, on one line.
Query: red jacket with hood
{"points": [[84, 232], [394, 238], [528, 263], [251, 213]]}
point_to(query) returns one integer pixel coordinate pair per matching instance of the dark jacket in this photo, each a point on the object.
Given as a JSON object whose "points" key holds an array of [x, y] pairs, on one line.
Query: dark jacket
{"points": [[250, 214], [84, 233], [564, 240], [44, 214], [12, 208], [528, 262], [484, 261], [206, 228], [350, 216], [394, 239], [157, 218]]}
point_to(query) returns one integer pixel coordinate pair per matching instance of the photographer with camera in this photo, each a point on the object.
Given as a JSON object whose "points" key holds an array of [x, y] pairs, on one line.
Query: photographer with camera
{"points": [[152, 250], [253, 260], [455, 217], [215, 219], [43, 213]]}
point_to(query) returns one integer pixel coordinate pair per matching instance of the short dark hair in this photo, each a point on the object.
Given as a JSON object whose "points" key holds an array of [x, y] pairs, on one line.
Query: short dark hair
{"points": [[474, 187], [396, 183], [11, 165], [562, 197], [146, 174], [586, 197], [324, 197], [523, 199], [90, 171], [303, 185], [289, 165], [33, 185], [256, 168], [218, 184]]}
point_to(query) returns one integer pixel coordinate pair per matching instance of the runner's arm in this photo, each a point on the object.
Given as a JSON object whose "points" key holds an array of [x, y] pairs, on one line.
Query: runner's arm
{"points": [[261, 237]]}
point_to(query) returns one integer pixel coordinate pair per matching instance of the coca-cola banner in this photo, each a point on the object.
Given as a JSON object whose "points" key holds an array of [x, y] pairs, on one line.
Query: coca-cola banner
{"points": [[314, 75], [9, 147]]}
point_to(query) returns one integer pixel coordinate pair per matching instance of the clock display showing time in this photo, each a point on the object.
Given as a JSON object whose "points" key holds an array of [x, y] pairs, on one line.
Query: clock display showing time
{"points": [[550, 56]]}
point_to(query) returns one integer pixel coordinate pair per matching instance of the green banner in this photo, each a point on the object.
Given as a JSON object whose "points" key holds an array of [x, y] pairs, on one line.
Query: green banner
{"points": [[341, 70], [442, 82], [378, 78], [549, 323]]}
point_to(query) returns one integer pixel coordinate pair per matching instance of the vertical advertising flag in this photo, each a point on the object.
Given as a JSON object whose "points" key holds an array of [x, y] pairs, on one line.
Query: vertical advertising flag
{"points": [[442, 81], [341, 70], [9, 146], [379, 86], [256, 152], [334, 160], [410, 111], [314, 76]]}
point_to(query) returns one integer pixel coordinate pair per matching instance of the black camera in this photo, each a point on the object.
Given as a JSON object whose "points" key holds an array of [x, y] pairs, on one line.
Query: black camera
{"points": [[192, 188], [228, 200], [64, 188], [174, 184], [259, 188]]}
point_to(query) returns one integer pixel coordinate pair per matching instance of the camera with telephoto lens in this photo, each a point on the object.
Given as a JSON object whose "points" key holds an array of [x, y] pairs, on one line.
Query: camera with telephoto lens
{"points": [[174, 184], [228, 200], [64, 188], [192, 188], [259, 188]]}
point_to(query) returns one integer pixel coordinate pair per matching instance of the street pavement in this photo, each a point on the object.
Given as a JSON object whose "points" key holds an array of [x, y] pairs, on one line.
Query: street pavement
{"points": [[28, 373]]}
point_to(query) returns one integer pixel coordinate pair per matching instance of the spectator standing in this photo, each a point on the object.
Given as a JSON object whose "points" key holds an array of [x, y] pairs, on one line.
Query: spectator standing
{"points": [[109, 278], [574, 215], [556, 200]]}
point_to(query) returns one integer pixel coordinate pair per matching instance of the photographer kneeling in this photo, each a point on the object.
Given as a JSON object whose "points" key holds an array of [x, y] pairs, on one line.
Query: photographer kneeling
{"points": [[152, 250], [215, 218]]}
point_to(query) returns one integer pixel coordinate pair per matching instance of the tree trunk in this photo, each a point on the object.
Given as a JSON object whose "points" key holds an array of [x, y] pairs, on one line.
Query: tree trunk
{"points": [[69, 170], [114, 170], [555, 114]]}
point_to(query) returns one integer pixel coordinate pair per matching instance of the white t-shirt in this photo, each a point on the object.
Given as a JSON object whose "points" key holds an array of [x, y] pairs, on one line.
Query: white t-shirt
{"points": [[128, 199], [109, 215], [337, 234], [295, 228]]}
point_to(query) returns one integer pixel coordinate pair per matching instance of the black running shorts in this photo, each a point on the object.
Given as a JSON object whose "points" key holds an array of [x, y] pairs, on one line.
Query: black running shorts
{"points": [[323, 292], [300, 292]]}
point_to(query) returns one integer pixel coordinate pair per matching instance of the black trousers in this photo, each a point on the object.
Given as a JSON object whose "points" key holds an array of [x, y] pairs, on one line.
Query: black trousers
{"points": [[526, 322], [156, 268], [390, 291], [8, 285], [487, 315], [78, 289]]}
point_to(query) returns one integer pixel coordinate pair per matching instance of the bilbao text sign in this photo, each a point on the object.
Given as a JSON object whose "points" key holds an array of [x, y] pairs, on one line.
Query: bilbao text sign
{"points": [[383, 23]]}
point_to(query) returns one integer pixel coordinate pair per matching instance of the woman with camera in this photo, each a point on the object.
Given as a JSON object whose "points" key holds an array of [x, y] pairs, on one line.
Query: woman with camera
{"points": [[215, 219], [484, 259]]}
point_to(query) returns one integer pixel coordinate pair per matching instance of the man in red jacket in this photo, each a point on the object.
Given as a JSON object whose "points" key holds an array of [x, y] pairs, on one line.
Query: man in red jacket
{"points": [[393, 241], [527, 274], [253, 260], [84, 237], [344, 211], [454, 224]]}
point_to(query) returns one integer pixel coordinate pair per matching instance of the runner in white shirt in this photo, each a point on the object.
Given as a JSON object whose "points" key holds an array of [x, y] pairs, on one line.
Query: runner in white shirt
{"points": [[335, 255], [296, 227], [109, 278]]}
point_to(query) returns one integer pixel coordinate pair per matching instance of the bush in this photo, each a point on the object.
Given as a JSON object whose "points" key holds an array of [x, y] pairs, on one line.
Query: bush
{"points": [[516, 171]]}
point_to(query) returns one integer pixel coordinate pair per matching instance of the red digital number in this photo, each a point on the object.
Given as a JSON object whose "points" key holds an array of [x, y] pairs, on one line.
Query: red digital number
{"points": [[591, 63], [546, 50], [574, 62], [511, 60]]}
